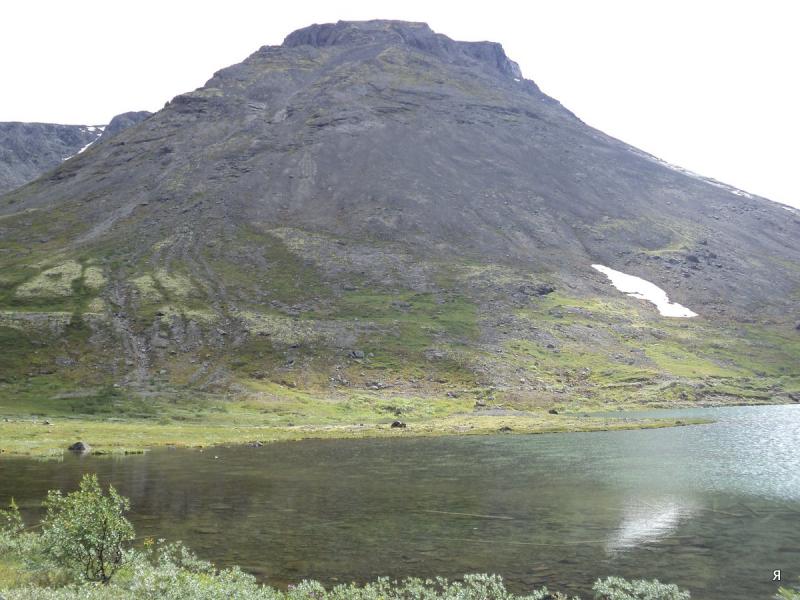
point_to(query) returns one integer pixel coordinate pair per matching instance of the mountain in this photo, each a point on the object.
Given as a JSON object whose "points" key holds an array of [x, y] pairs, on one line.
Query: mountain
{"points": [[27, 150], [122, 121], [374, 208]]}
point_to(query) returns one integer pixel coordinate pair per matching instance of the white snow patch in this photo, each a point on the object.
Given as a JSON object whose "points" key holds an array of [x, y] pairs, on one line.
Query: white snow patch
{"points": [[97, 130], [516, 79], [644, 290], [86, 147]]}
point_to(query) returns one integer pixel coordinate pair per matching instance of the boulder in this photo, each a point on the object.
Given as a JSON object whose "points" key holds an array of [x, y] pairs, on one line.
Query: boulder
{"points": [[552, 411], [539, 289], [398, 425], [505, 429], [359, 354], [80, 448]]}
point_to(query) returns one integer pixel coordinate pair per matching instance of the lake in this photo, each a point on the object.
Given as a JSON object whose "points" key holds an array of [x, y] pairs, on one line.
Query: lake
{"points": [[714, 508]]}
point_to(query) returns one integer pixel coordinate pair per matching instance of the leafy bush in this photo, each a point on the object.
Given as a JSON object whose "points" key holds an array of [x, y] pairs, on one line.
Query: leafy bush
{"points": [[788, 594], [616, 588], [11, 526], [85, 531], [170, 579], [24, 550]]}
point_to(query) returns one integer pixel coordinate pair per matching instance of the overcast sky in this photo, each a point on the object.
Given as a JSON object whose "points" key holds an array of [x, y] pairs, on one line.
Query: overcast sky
{"points": [[711, 86]]}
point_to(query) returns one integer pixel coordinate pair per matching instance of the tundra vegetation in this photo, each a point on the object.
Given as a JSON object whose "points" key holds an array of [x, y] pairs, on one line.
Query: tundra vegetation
{"points": [[84, 549]]}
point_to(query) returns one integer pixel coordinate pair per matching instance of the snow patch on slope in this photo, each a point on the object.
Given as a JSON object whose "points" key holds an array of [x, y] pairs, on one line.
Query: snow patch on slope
{"points": [[644, 290], [97, 130], [82, 150]]}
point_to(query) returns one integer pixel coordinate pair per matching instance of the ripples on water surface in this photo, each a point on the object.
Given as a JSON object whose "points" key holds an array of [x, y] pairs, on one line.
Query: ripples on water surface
{"points": [[714, 508]]}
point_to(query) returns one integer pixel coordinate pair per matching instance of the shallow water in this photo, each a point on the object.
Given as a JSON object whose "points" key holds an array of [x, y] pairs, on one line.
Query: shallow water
{"points": [[714, 508]]}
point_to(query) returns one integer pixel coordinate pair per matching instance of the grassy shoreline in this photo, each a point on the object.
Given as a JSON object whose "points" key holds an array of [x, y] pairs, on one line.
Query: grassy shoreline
{"points": [[25, 437]]}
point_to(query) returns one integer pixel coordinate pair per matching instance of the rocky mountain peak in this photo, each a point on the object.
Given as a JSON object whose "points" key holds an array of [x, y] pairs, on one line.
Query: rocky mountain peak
{"points": [[122, 121], [416, 35]]}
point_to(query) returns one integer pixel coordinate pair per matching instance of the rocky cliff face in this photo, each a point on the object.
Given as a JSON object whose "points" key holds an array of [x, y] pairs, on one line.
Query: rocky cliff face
{"points": [[374, 204]]}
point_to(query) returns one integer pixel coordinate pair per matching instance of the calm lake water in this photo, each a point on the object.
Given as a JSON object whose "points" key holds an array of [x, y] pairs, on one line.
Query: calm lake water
{"points": [[714, 508]]}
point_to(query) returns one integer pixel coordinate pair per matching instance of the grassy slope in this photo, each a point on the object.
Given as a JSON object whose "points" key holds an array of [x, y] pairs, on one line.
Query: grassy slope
{"points": [[275, 326]]}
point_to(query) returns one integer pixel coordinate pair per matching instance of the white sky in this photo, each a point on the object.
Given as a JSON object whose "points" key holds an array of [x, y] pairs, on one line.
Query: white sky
{"points": [[709, 85]]}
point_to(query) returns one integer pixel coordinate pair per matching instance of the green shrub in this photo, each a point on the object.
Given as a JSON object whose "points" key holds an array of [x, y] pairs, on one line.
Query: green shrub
{"points": [[173, 572], [11, 526], [617, 588], [85, 531], [23, 550], [788, 594], [169, 578]]}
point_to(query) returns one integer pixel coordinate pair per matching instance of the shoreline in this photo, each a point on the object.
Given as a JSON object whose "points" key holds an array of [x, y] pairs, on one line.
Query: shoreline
{"points": [[26, 438]]}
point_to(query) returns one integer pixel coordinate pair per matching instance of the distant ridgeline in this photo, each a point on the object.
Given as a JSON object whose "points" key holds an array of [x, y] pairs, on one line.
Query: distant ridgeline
{"points": [[28, 150]]}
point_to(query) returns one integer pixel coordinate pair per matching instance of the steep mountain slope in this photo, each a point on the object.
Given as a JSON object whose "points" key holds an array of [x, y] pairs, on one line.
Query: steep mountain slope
{"points": [[373, 205]]}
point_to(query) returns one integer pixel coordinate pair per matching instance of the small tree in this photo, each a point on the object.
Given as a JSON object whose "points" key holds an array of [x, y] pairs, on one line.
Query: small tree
{"points": [[85, 530]]}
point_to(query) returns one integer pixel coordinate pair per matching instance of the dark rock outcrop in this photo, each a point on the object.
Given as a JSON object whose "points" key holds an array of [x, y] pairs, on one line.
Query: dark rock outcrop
{"points": [[124, 121], [415, 35]]}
